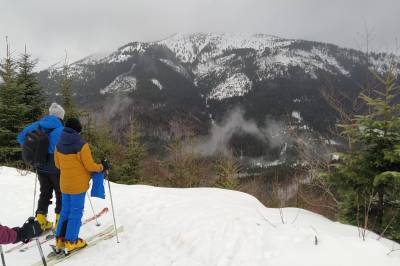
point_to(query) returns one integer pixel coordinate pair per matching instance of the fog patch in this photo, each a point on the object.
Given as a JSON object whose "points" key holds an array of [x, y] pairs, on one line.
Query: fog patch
{"points": [[234, 122], [117, 104]]}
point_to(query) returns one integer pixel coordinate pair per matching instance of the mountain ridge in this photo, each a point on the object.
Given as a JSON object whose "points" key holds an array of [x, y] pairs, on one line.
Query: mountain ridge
{"points": [[203, 76], [203, 55]]}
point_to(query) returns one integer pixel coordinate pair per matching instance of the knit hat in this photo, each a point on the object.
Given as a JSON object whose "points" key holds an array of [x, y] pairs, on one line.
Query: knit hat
{"points": [[56, 110], [74, 123]]}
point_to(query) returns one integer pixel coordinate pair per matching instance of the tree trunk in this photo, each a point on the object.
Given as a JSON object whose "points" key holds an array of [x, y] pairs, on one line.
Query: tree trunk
{"points": [[381, 192]]}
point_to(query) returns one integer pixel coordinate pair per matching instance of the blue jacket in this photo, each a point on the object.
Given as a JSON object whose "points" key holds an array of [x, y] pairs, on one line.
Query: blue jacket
{"points": [[49, 123]]}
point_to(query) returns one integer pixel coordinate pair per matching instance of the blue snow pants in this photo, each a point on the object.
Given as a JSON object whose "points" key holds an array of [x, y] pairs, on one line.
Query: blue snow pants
{"points": [[71, 214]]}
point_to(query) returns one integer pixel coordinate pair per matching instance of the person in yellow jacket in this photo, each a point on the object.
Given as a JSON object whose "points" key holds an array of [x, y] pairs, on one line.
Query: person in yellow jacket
{"points": [[74, 159]]}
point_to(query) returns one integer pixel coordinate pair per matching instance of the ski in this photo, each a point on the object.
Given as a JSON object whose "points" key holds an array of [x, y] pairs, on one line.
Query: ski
{"points": [[103, 232], [50, 237], [93, 240], [53, 256], [89, 245], [47, 236]]}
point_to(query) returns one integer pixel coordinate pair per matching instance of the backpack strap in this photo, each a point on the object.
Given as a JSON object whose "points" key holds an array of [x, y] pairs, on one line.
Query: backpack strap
{"points": [[46, 130]]}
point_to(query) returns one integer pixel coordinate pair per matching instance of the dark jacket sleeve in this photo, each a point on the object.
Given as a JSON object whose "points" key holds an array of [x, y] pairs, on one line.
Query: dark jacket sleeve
{"points": [[7, 235]]}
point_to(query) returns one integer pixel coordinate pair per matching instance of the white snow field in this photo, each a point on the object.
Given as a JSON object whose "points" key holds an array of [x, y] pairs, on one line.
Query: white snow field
{"points": [[201, 226]]}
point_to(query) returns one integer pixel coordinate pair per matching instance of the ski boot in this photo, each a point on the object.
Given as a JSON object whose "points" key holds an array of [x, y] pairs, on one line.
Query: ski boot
{"points": [[44, 223], [60, 245], [73, 246]]}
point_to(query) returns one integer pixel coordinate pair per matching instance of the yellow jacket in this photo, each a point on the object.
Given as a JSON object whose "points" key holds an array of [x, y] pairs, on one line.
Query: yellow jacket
{"points": [[74, 159]]}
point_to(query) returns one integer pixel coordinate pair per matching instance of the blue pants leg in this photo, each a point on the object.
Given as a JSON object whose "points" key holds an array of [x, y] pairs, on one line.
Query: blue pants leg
{"points": [[62, 222], [77, 203]]}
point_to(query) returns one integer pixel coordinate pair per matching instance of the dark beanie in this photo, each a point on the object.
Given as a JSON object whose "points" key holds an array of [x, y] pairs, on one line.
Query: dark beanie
{"points": [[74, 124]]}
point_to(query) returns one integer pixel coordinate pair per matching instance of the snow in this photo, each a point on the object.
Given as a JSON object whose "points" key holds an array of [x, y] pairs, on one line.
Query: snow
{"points": [[201, 227], [332, 142], [120, 55], [274, 54], [93, 58], [217, 66], [126, 52], [278, 64], [296, 115], [122, 83], [205, 57], [189, 46], [176, 67], [207, 49], [384, 62], [329, 60], [157, 83], [237, 85]]}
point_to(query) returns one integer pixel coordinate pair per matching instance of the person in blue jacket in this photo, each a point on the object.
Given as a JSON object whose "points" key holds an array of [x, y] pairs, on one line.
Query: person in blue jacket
{"points": [[48, 174]]}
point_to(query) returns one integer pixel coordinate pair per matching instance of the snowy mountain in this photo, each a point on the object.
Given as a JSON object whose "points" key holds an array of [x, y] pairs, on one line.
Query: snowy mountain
{"points": [[201, 227], [225, 54], [200, 77], [274, 56]]}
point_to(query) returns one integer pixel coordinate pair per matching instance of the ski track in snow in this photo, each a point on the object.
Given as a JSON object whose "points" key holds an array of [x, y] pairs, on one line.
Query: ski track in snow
{"points": [[200, 227]]}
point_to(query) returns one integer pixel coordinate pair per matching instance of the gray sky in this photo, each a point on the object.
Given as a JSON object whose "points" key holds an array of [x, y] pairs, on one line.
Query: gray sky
{"points": [[83, 27]]}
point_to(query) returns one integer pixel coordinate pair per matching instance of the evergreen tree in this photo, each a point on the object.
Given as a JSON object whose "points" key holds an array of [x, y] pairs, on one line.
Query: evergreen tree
{"points": [[101, 142], [227, 169], [32, 95], [103, 145], [183, 164], [12, 111], [66, 92], [130, 168], [367, 177]]}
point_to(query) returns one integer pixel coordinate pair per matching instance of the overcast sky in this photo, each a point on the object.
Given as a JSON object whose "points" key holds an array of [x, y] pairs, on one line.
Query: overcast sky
{"points": [[83, 27]]}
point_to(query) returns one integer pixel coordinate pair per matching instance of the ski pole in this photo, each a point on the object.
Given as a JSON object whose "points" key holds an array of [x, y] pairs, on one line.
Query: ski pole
{"points": [[34, 195], [30, 220], [3, 260], [112, 207], [94, 213], [41, 252]]}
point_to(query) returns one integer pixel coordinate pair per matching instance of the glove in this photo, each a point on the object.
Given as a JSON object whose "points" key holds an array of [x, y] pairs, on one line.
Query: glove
{"points": [[106, 164], [29, 230]]}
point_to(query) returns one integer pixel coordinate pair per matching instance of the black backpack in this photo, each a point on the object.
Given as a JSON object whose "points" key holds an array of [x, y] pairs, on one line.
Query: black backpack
{"points": [[35, 147]]}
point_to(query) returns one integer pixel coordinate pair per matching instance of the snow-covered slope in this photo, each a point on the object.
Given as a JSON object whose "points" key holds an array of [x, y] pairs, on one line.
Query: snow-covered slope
{"points": [[202, 226], [274, 55], [189, 47], [122, 83]]}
